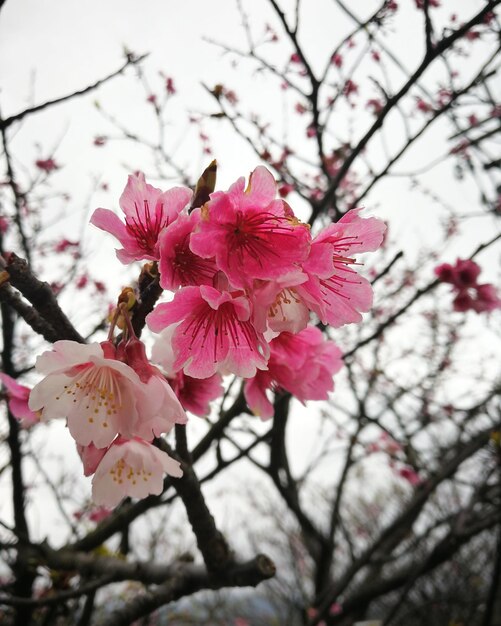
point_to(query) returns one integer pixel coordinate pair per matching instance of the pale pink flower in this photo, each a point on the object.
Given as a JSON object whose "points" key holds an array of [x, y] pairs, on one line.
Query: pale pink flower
{"points": [[277, 305], [250, 233], [18, 401], [147, 211], [99, 395], [334, 290], [131, 468], [179, 266], [303, 364], [215, 333]]}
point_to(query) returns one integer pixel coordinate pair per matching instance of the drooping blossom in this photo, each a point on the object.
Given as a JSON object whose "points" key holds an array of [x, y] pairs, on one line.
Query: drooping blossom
{"points": [[251, 234], [215, 333], [134, 468], [334, 290], [99, 395], [194, 394], [18, 401], [303, 364], [147, 211], [91, 457], [179, 266]]}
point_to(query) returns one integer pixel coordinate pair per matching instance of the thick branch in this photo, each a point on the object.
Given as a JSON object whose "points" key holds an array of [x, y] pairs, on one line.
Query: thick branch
{"points": [[41, 297]]}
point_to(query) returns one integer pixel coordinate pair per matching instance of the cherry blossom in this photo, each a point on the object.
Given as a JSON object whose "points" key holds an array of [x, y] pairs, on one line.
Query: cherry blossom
{"points": [[215, 334], [99, 395], [250, 233], [462, 275], [147, 211], [179, 266], [302, 364], [133, 468], [194, 394], [91, 457], [334, 290], [468, 294]]}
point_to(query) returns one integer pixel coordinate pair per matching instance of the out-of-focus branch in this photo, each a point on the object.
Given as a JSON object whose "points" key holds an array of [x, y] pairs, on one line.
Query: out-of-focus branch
{"points": [[41, 297], [395, 532], [439, 48], [131, 59], [189, 580], [19, 196], [29, 314]]}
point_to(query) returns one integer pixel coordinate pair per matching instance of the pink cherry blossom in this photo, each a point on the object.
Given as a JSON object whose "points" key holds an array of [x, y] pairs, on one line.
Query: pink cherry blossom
{"points": [[47, 165], [337, 59], [469, 295], [147, 211], [132, 468], [250, 233], [463, 302], [91, 457], [18, 401], [302, 364], [194, 394], [215, 334], [179, 266], [334, 290], [487, 299], [464, 273]]}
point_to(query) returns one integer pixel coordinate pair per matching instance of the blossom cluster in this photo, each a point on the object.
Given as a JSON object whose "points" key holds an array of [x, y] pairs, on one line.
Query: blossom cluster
{"points": [[469, 294], [247, 279], [246, 274]]}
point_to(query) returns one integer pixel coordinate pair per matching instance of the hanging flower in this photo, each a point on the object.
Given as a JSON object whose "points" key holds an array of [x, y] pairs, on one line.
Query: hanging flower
{"points": [[133, 468]]}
